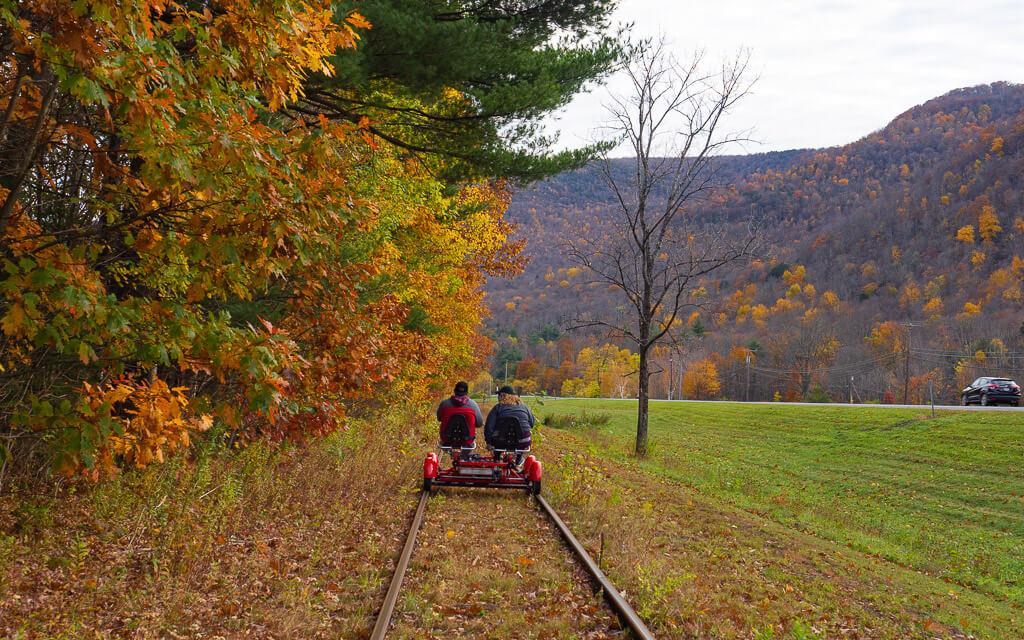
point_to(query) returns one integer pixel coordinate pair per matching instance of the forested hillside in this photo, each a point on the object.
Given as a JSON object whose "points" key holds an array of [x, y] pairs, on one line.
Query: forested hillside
{"points": [[919, 224]]}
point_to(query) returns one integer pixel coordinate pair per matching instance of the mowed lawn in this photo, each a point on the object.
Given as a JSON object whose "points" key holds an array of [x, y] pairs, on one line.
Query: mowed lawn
{"points": [[942, 495]]}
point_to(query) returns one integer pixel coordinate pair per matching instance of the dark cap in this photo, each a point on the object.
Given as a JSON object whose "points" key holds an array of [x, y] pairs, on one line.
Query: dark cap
{"points": [[507, 389], [461, 388]]}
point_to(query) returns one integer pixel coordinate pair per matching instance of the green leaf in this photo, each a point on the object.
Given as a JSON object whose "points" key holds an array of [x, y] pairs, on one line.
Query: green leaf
{"points": [[41, 278]]}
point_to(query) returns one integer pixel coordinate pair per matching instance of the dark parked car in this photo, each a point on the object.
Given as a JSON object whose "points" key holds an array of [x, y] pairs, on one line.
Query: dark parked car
{"points": [[986, 391]]}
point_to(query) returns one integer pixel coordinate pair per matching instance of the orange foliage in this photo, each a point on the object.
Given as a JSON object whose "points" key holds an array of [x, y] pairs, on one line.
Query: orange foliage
{"points": [[700, 382], [888, 340], [208, 204], [988, 224]]}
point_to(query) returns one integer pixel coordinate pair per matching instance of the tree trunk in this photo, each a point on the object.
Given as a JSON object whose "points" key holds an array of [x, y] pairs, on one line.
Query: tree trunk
{"points": [[643, 385], [31, 152]]}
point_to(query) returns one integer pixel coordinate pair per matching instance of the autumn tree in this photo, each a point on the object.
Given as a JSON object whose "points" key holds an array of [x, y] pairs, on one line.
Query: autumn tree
{"points": [[612, 368], [700, 381], [528, 368], [657, 252], [182, 243], [806, 347], [988, 224], [150, 196], [888, 343]]}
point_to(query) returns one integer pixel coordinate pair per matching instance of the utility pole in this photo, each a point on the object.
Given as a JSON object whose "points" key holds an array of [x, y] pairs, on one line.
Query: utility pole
{"points": [[851, 389], [670, 357], [931, 394], [746, 390], [906, 359], [679, 387], [506, 372], [906, 368]]}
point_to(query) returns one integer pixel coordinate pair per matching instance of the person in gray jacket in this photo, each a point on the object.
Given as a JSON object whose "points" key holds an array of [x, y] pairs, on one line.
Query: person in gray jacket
{"points": [[509, 405]]}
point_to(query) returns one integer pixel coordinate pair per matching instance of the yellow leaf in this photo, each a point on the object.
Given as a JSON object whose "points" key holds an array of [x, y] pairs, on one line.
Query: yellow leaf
{"points": [[84, 352], [358, 21], [13, 320]]}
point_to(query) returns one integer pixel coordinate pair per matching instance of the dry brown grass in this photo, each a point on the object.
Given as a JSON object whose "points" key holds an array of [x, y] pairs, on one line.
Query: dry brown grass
{"points": [[290, 543], [296, 542]]}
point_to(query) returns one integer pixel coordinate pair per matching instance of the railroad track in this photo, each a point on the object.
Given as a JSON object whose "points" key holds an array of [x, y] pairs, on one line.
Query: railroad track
{"points": [[627, 616]]}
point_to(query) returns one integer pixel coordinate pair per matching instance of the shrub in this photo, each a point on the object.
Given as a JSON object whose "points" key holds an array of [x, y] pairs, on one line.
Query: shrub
{"points": [[817, 394], [571, 421]]}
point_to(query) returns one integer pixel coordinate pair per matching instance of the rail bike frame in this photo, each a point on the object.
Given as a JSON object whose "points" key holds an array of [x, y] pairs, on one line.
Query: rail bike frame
{"points": [[469, 470]]}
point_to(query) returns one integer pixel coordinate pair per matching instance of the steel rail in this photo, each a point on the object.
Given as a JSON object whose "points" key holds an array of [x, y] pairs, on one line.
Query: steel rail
{"points": [[611, 594], [380, 628], [614, 598]]}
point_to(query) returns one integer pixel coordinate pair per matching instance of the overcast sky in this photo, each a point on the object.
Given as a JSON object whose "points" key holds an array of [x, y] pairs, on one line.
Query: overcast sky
{"points": [[829, 72]]}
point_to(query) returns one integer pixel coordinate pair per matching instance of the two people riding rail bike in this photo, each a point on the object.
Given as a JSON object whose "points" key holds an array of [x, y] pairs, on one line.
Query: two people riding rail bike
{"points": [[508, 431], [508, 428]]}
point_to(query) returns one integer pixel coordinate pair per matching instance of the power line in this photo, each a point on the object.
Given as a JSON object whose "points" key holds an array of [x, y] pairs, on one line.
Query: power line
{"points": [[987, 367], [844, 368]]}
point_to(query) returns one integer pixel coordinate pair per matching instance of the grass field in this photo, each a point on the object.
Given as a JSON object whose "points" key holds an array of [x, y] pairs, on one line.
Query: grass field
{"points": [[944, 495]]}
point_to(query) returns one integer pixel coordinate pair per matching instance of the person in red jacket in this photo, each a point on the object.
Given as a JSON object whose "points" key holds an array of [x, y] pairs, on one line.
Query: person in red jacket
{"points": [[460, 403]]}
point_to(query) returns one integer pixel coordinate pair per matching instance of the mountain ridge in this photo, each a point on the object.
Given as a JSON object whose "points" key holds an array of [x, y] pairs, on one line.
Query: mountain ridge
{"points": [[920, 221]]}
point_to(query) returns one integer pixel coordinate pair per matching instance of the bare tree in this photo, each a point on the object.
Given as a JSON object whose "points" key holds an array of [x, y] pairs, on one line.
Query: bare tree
{"points": [[658, 250]]}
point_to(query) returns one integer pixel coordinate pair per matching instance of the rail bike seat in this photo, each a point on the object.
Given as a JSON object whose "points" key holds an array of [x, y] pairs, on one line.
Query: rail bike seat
{"points": [[509, 437], [458, 429]]}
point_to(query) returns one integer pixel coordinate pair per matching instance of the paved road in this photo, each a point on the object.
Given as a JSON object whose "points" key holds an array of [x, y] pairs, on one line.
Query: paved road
{"points": [[826, 404], [872, 406], [868, 406]]}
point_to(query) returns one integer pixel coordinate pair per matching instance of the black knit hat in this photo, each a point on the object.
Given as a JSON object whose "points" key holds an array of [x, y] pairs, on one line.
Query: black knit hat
{"points": [[461, 388], [507, 389]]}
